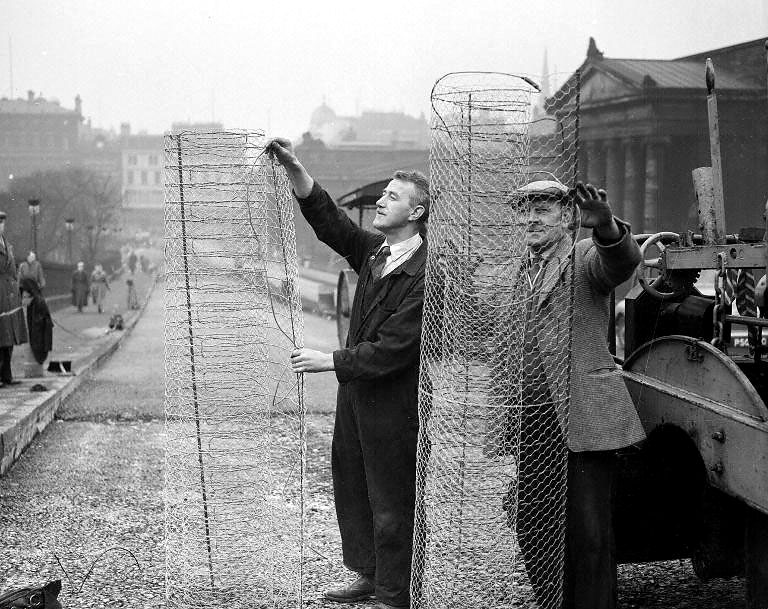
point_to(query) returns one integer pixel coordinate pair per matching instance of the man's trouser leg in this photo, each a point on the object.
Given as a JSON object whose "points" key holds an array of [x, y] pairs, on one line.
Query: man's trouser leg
{"points": [[591, 573], [541, 501], [350, 490], [388, 439]]}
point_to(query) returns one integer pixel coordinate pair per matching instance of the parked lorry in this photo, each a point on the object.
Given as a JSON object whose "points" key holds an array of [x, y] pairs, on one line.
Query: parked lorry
{"points": [[698, 486]]}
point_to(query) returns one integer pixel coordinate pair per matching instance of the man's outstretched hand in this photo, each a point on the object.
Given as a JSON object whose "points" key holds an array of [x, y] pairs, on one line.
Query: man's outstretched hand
{"points": [[595, 211], [309, 360], [281, 149]]}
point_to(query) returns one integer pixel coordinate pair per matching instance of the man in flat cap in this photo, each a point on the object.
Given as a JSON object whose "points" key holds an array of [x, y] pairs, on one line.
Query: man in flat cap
{"points": [[576, 411], [13, 330]]}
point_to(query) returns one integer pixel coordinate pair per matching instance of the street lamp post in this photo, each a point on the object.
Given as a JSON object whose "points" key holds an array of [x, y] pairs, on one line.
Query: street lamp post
{"points": [[69, 223], [34, 211]]}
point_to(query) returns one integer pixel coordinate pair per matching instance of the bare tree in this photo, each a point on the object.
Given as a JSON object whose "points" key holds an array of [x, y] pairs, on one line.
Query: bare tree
{"points": [[91, 198]]}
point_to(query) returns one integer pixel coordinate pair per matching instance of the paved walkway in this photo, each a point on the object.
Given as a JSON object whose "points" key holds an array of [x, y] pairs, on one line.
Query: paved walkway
{"points": [[84, 502], [82, 338], [76, 335]]}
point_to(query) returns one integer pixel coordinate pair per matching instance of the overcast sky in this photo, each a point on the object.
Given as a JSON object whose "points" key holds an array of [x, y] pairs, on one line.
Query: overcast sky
{"points": [[267, 64]]}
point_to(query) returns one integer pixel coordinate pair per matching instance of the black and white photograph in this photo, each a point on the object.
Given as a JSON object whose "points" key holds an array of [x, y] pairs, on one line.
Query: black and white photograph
{"points": [[414, 305]]}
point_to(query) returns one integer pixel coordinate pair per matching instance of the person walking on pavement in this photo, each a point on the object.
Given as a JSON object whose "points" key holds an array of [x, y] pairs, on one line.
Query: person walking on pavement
{"points": [[32, 268], [39, 321], [13, 330], [80, 287], [99, 286], [133, 297], [376, 426], [132, 262]]}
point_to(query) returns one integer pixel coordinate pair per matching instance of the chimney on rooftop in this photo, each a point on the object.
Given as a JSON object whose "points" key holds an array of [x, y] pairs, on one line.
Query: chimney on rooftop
{"points": [[125, 129], [78, 104], [593, 52], [30, 95]]}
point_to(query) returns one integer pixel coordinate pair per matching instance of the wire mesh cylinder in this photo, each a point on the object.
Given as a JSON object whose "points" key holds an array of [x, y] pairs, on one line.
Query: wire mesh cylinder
{"points": [[234, 411], [495, 358]]}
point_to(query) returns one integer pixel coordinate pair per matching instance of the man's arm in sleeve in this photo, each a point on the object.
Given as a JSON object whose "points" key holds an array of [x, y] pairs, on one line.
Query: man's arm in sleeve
{"points": [[615, 254], [331, 225], [397, 346], [334, 228], [610, 264]]}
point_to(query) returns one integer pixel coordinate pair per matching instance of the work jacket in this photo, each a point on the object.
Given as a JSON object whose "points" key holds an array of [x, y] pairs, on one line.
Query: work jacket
{"points": [[379, 365]]}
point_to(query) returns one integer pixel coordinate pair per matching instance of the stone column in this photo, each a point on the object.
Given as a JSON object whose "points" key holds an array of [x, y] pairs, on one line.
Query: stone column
{"points": [[633, 198], [653, 151], [614, 177], [595, 164]]}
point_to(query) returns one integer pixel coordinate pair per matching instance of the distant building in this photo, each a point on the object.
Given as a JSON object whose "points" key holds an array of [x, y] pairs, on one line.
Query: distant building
{"points": [[196, 127], [344, 153], [644, 127], [141, 165], [370, 129], [37, 134]]}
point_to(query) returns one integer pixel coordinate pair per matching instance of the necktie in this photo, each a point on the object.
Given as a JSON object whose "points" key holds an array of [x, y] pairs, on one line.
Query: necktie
{"points": [[377, 266], [535, 273]]}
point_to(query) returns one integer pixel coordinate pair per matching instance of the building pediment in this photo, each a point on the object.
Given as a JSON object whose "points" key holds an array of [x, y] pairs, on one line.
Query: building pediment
{"points": [[598, 85]]}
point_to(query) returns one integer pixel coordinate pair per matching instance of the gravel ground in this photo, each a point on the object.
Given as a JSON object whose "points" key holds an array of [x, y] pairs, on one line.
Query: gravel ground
{"points": [[83, 502], [88, 491]]}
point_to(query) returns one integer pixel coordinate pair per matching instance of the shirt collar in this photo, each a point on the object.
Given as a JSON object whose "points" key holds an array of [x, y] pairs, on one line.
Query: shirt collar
{"points": [[559, 249], [402, 247]]}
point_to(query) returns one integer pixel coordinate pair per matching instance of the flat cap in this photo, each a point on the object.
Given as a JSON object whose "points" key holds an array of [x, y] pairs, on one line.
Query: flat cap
{"points": [[543, 188], [3, 215]]}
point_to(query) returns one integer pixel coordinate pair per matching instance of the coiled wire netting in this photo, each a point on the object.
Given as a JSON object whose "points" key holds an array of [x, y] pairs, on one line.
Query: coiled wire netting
{"points": [[495, 354], [234, 476]]}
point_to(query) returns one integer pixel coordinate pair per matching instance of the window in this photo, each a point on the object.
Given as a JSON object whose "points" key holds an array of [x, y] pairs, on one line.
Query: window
{"points": [[157, 178], [153, 159], [132, 159], [130, 177], [144, 178]]}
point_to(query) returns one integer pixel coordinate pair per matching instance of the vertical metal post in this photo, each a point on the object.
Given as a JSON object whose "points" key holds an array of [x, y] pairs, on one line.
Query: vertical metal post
{"points": [[714, 147], [192, 361]]}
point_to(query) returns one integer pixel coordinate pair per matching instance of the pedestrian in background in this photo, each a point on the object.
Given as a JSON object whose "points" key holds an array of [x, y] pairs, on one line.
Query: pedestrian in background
{"points": [[13, 331], [133, 297], [32, 268], [39, 322], [132, 262], [80, 285], [99, 286]]}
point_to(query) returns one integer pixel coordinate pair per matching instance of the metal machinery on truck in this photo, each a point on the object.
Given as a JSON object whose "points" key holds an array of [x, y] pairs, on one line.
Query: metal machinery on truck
{"points": [[698, 486]]}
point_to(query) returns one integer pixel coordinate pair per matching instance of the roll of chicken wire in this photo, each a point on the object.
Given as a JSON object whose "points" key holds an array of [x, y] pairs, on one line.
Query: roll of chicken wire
{"points": [[495, 355], [234, 476]]}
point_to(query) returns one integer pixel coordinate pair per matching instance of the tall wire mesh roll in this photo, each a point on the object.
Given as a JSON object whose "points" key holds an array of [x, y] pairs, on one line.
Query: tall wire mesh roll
{"points": [[495, 355], [234, 477]]}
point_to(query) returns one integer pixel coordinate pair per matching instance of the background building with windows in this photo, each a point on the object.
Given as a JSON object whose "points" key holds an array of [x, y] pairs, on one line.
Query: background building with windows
{"points": [[37, 134], [644, 127]]}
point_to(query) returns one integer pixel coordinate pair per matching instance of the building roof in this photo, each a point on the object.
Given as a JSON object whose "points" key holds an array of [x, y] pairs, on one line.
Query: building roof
{"points": [[142, 142], [38, 105], [671, 74]]}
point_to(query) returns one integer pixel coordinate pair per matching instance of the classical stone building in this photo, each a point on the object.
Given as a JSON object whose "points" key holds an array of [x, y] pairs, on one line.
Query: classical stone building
{"points": [[644, 127], [37, 134]]}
